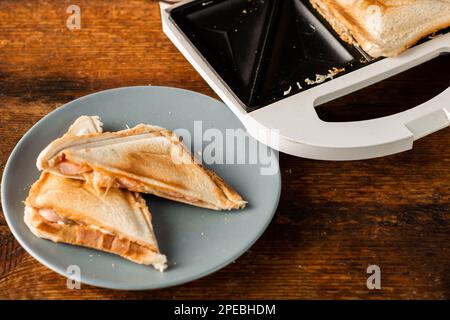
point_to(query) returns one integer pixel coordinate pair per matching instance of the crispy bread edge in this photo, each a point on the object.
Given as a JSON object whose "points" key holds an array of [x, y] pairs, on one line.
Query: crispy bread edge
{"points": [[87, 237], [352, 32]]}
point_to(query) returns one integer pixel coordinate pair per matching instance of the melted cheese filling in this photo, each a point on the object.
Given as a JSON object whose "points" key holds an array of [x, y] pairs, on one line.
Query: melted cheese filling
{"points": [[101, 180], [52, 216]]}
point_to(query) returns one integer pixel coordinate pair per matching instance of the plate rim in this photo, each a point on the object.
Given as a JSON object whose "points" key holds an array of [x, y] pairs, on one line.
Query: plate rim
{"points": [[111, 284]]}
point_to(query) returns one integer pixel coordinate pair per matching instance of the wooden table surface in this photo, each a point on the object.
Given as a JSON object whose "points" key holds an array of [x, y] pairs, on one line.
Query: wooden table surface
{"points": [[334, 218]]}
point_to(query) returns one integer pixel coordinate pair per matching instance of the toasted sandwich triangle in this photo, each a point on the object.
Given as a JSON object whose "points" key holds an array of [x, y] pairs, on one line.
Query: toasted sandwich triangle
{"points": [[384, 27], [146, 159], [71, 211]]}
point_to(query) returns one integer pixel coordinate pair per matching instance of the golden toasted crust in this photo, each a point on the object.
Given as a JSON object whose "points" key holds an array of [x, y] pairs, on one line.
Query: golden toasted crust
{"points": [[85, 236], [384, 27], [117, 221], [233, 199], [145, 159], [118, 211]]}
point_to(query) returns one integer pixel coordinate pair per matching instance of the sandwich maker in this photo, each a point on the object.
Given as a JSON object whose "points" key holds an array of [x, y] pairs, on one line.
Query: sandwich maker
{"points": [[273, 61]]}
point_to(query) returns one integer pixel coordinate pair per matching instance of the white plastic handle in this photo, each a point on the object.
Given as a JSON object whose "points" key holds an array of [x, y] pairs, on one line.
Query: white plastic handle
{"points": [[302, 133], [316, 139]]}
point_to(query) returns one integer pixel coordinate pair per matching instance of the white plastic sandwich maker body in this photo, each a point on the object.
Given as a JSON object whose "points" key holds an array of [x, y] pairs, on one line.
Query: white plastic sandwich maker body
{"points": [[292, 125]]}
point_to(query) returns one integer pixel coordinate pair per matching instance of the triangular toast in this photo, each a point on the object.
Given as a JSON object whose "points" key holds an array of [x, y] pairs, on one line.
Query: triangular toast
{"points": [[384, 27], [146, 159], [71, 211]]}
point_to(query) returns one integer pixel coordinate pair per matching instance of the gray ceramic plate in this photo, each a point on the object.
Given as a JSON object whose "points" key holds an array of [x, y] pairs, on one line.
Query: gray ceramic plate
{"points": [[196, 241]]}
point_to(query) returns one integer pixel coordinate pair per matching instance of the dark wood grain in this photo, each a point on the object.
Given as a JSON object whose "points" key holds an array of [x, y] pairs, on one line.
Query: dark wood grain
{"points": [[334, 218]]}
